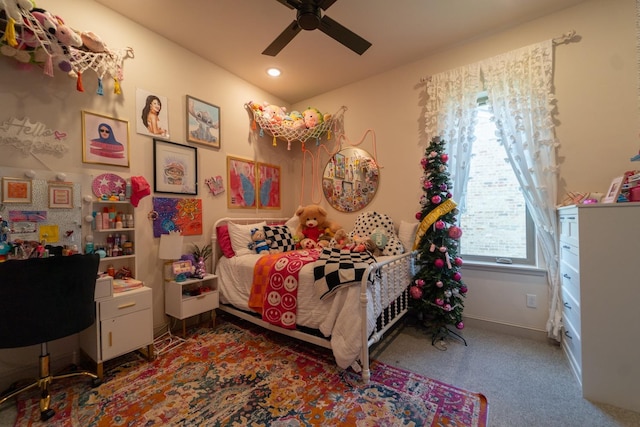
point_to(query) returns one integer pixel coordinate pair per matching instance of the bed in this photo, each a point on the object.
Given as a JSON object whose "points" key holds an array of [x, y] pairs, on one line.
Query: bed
{"points": [[347, 320]]}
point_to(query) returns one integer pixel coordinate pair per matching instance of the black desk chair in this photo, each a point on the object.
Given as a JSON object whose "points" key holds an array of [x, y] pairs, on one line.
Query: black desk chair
{"points": [[41, 300]]}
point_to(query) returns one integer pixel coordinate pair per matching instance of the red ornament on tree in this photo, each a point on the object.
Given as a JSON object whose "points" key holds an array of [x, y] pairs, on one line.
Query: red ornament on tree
{"points": [[436, 199], [457, 276], [440, 224], [438, 263], [455, 232], [444, 158], [458, 261], [416, 292]]}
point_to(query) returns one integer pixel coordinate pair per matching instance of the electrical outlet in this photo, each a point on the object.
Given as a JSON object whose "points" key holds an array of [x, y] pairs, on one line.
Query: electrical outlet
{"points": [[531, 301]]}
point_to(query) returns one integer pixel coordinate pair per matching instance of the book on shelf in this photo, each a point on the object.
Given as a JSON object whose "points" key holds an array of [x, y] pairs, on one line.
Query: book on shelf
{"points": [[127, 284]]}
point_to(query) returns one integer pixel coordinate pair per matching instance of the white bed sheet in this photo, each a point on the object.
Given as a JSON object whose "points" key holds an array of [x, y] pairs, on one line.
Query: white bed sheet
{"points": [[337, 317]]}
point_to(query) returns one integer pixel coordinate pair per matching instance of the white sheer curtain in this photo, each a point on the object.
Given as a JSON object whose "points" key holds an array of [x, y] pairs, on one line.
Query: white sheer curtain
{"points": [[450, 113], [519, 85]]}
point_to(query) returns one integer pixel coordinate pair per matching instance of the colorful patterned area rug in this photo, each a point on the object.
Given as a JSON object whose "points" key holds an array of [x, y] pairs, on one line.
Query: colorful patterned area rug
{"points": [[237, 375]]}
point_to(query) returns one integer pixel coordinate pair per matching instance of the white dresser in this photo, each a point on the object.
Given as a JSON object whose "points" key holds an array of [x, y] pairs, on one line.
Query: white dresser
{"points": [[600, 274]]}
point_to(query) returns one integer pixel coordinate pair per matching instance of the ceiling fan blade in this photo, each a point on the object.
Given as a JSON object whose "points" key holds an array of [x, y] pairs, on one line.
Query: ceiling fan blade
{"points": [[343, 35], [326, 4], [291, 4], [282, 40]]}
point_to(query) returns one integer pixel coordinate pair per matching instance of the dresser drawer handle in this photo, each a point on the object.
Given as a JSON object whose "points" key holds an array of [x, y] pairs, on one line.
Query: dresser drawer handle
{"points": [[566, 304], [566, 276], [568, 335], [131, 304]]}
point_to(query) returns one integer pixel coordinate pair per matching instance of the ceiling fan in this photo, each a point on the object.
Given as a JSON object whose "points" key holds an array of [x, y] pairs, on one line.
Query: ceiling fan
{"points": [[309, 17]]}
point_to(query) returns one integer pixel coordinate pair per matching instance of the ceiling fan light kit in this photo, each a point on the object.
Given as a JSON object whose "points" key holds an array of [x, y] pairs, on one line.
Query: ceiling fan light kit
{"points": [[309, 17]]}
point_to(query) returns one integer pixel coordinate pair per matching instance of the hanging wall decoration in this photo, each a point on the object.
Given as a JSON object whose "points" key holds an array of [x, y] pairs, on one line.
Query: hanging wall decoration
{"points": [[177, 214], [241, 180], [105, 140], [294, 126], [350, 179]]}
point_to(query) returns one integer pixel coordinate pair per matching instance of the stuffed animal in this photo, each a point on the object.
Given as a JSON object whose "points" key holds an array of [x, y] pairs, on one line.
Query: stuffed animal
{"points": [[312, 117], [341, 240], [13, 10], [313, 224], [273, 113], [307, 243], [258, 241]]}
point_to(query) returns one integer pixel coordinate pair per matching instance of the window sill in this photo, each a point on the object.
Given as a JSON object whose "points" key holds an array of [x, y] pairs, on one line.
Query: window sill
{"points": [[528, 270]]}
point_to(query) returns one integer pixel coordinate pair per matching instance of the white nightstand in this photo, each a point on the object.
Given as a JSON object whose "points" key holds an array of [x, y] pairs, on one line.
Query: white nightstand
{"points": [[191, 297], [124, 323]]}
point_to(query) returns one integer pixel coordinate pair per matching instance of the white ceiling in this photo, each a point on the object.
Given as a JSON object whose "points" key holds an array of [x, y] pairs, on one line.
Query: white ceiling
{"points": [[233, 34]]}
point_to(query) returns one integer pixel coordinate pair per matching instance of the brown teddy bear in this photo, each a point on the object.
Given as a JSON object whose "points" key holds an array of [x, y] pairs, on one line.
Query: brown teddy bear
{"points": [[314, 224]]}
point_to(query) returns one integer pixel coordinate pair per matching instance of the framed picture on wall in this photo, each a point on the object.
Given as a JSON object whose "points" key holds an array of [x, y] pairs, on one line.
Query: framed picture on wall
{"points": [[105, 140], [151, 116], [60, 195], [16, 190], [175, 168], [268, 186], [241, 182], [203, 122]]}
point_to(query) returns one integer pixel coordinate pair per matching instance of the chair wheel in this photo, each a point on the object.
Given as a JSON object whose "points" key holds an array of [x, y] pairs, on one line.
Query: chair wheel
{"points": [[95, 382], [45, 415]]}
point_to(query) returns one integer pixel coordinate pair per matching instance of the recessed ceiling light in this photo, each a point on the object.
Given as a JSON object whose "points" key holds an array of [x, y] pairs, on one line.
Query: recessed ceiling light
{"points": [[273, 72]]}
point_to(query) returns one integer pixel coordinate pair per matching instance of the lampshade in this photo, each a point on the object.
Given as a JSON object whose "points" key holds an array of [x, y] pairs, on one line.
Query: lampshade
{"points": [[170, 246]]}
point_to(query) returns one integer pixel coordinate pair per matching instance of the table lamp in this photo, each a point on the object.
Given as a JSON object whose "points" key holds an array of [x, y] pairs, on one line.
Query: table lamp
{"points": [[170, 250]]}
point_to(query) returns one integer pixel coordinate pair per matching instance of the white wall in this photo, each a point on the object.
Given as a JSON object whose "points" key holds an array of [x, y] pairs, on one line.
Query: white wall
{"points": [[597, 127]]}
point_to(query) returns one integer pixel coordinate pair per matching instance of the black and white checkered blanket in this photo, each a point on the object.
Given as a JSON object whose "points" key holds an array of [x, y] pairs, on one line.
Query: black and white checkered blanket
{"points": [[336, 268]]}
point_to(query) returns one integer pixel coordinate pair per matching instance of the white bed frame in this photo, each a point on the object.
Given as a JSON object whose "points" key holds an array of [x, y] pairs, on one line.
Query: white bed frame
{"points": [[391, 277]]}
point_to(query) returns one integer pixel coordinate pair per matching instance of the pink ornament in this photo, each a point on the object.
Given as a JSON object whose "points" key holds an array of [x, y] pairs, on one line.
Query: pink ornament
{"points": [[432, 154], [443, 187], [463, 289], [449, 195], [439, 263], [444, 158], [419, 282], [447, 307], [455, 232], [436, 199], [439, 301], [418, 216], [443, 249], [458, 261], [416, 292], [424, 161], [440, 224], [460, 325], [457, 276], [439, 283], [427, 185]]}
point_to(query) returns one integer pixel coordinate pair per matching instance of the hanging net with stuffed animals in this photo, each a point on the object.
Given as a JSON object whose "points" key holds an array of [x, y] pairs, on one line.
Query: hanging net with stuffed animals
{"points": [[37, 37], [291, 127]]}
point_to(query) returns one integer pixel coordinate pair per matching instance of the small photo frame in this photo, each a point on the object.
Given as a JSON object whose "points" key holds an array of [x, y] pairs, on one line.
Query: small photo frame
{"points": [[175, 168], [151, 114], [268, 186], [105, 140], [203, 122], [16, 190], [60, 195], [241, 183], [614, 190]]}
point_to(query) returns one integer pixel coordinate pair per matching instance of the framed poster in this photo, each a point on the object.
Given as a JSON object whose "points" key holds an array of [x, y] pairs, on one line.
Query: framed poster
{"points": [[269, 186], [16, 190], [175, 168], [151, 114], [241, 182], [105, 140], [203, 122], [60, 195]]}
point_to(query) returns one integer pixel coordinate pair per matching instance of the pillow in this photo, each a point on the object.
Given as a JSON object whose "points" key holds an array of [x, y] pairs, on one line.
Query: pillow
{"points": [[280, 236], [240, 235], [367, 222], [407, 233], [224, 241], [293, 223]]}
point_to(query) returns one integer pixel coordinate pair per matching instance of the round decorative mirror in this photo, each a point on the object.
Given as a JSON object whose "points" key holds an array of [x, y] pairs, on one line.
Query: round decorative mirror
{"points": [[350, 179]]}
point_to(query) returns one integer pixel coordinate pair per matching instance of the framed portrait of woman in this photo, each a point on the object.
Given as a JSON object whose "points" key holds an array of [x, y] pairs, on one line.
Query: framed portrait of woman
{"points": [[152, 118], [105, 140]]}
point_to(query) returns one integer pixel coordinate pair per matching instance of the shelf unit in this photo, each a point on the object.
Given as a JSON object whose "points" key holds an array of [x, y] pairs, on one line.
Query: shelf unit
{"points": [[100, 235], [188, 298]]}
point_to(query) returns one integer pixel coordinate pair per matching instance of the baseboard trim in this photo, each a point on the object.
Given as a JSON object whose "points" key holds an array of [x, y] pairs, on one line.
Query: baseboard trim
{"points": [[504, 328]]}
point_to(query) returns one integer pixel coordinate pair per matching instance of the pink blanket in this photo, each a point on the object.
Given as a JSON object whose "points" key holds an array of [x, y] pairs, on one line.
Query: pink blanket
{"points": [[274, 291]]}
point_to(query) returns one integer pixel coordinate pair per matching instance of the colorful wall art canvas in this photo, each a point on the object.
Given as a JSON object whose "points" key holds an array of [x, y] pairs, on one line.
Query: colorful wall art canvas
{"points": [[182, 214]]}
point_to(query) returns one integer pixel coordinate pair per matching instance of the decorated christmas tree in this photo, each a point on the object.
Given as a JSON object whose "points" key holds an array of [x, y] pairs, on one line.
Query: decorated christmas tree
{"points": [[437, 290]]}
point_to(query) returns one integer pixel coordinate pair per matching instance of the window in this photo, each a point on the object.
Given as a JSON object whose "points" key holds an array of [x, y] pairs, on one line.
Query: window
{"points": [[496, 224]]}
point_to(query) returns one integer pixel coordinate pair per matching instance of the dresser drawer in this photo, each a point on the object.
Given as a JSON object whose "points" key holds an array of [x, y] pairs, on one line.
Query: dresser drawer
{"points": [[573, 346], [125, 303], [571, 311], [570, 280], [569, 226], [570, 254]]}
